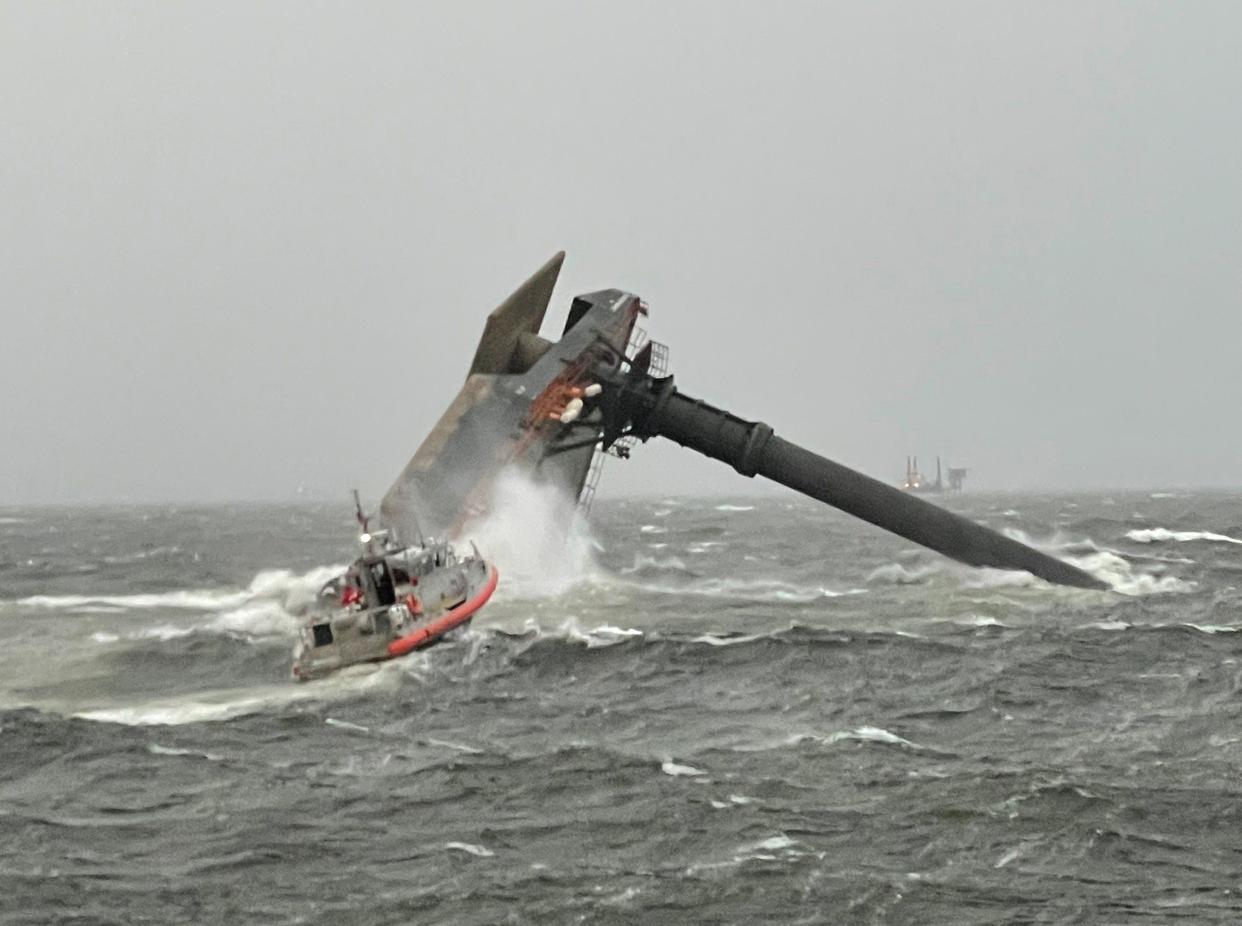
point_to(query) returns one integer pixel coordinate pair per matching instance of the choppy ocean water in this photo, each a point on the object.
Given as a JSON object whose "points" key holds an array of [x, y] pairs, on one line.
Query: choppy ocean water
{"points": [[713, 711]]}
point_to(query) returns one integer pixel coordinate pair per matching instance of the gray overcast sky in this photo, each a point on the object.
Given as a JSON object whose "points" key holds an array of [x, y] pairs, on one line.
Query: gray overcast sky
{"points": [[244, 247]]}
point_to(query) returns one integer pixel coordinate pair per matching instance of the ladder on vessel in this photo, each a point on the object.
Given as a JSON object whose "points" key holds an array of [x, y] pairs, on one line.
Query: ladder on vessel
{"points": [[623, 445]]}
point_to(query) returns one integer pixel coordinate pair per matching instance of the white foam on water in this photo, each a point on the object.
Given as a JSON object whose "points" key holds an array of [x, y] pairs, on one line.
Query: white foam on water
{"points": [[470, 849], [163, 632], [713, 640], [1213, 628], [1001, 578], [1120, 574], [346, 725], [258, 619], [873, 735], [603, 635], [1108, 566], [174, 715], [652, 529], [1164, 535], [897, 574], [1108, 625], [183, 599], [735, 507], [210, 707], [157, 750], [669, 767], [775, 844], [979, 620], [766, 850], [268, 591], [457, 747], [1009, 857]]}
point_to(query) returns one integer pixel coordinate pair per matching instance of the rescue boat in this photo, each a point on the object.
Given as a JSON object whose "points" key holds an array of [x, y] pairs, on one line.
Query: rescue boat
{"points": [[391, 601]]}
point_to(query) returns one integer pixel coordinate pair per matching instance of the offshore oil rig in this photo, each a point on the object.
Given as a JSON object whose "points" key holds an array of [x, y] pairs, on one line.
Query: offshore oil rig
{"points": [[917, 482], [553, 409]]}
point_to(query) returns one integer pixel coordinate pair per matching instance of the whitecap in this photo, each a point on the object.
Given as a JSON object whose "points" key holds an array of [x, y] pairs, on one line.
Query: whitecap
{"points": [[157, 750], [669, 767], [1009, 857], [275, 584], [185, 599], [459, 747], [1163, 535], [1213, 628], [171, 715], [712, 639], [872, 734], [603, 635], [225, 705], [979, 620], [259, 619], [735, 507], [1120, 575], [897, 574], [470, 849], [162, 632], [1001, 578], [774, 844]]}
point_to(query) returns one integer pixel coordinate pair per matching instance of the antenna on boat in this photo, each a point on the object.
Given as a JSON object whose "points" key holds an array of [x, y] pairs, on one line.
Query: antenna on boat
{"points": [[359, 514], [418, 528]]}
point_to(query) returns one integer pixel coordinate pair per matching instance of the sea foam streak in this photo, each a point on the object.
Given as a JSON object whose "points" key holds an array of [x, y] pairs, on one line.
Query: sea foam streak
{"points": [[273, 585], [1164, 535], [225, 705], [669, 767], [470, 849]]}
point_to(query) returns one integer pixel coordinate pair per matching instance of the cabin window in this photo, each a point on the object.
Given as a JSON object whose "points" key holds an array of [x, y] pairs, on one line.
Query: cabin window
{"points": [[323, 634]]}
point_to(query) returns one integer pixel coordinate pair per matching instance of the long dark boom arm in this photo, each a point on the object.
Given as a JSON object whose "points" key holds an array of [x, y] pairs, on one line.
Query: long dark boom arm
{"points": [[653, 407]]}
